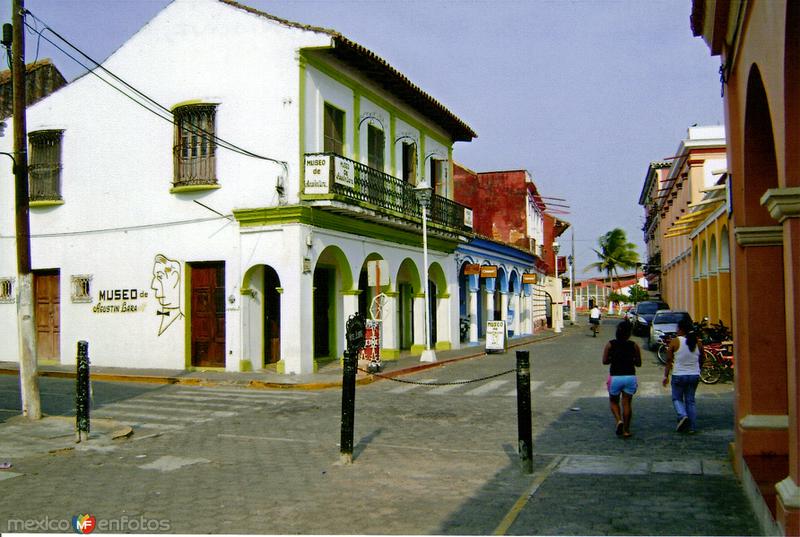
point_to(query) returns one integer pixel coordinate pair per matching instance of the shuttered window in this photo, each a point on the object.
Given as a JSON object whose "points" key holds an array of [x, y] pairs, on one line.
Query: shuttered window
{"points": [[334, 130], [376, 142]]}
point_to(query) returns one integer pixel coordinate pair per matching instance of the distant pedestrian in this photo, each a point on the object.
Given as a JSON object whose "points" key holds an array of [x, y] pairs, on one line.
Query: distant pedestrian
{"points": [[683, 359], [623, 356], [594, 319]]}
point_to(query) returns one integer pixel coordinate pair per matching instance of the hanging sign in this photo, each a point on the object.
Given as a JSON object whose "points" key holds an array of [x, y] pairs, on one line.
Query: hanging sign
{"points": [[495, 336], [318, 174], [530, 278], [344, 173], [472, 269], [489, 271]]}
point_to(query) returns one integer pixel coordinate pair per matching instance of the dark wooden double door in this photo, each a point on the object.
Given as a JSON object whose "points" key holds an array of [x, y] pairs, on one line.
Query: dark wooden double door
{"points": [[208, 314]]}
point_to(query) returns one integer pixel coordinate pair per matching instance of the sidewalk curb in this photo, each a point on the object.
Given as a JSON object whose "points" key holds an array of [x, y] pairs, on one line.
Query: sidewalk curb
{"points": [[361, 379]]}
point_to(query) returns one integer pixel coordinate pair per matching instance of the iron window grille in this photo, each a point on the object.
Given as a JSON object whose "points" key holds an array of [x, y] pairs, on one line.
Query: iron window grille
{"points": [[45, 165], [195, 147], [6, 290], [81, 288]]}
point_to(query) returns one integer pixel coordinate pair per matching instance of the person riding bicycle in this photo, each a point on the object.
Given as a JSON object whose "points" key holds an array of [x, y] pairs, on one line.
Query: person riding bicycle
{"points": [[594, 319]]}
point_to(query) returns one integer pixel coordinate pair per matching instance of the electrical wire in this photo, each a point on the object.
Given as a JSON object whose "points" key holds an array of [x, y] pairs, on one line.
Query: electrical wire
{"points": [[160, 110]]}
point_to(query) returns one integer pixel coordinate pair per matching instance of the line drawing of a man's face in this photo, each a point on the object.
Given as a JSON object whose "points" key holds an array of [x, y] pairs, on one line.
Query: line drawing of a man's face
{"points": [[167, 282]]}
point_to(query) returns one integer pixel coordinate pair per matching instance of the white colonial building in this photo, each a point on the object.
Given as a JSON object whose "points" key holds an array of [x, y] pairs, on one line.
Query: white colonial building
{"points": [[223, 209]]}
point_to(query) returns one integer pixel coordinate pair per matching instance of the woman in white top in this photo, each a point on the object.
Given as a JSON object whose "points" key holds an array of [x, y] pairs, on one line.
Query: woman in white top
{"points": [[683, 359]]}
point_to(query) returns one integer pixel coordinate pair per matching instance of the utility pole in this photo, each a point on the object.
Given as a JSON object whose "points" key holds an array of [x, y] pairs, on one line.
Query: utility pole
{"points": [[28, 375], [572, 280]]}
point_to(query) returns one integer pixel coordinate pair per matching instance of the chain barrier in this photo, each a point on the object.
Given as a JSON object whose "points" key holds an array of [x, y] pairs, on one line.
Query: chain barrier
{"points": [[423, 383]]}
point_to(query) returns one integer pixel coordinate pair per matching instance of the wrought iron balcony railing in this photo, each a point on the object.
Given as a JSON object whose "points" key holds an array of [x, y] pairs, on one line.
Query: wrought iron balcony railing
{"points": [[329, 174]]}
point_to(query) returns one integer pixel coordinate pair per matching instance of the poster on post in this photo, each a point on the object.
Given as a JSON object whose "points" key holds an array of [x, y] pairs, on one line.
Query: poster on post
{"points": [[495, 336]]}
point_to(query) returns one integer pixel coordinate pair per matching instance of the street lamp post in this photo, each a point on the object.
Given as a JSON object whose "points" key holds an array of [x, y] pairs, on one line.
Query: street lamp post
{"points": [[558, 315], [571, 260], [424, 193]]}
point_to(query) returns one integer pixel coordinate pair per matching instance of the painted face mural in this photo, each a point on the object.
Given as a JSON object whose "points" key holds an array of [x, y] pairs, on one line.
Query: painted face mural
{"points": [[167, 286]]}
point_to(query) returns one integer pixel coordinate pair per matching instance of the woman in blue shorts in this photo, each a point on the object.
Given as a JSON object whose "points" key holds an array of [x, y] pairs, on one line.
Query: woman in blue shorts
{"points": [[623, 356]]}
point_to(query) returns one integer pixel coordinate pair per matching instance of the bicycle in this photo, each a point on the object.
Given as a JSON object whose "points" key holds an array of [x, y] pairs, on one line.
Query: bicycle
{"points": [[663, 345], [717, 362], [594, 327]]}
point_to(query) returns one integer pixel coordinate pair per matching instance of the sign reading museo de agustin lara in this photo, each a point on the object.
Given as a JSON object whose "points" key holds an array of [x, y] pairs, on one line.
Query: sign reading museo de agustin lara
{"points": [[318, 173], [165, 284]]}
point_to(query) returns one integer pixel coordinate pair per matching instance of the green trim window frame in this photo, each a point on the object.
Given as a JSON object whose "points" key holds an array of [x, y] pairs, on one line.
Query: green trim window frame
{"points": [[333, 130], [376, 148], [45, 165], [194, 150]]}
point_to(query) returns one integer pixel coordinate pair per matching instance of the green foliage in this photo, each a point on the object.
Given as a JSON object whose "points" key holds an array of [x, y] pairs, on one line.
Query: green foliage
{"points": [[615, 253], [638, 294], [617, 297]]}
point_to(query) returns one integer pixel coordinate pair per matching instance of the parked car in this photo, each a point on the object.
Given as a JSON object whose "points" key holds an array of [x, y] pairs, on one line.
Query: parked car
{"points": [[645, 311], [665, 323]]}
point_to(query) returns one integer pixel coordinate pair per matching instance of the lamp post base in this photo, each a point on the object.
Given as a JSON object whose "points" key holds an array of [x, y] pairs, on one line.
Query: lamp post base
{"points": [[428, 356]]}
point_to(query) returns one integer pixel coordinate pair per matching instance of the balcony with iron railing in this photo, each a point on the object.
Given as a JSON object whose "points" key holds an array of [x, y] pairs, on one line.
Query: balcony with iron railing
{"points": [[371, 193]]}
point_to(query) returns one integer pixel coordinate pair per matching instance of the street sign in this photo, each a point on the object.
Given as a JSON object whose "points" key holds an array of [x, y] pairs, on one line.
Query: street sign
{"points": [[355, 332], [495, 336], [471, 269], [489, 271], [530, 278]]}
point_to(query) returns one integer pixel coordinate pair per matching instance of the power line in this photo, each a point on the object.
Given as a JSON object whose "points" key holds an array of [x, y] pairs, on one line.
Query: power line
{"points": [[162, 112]]}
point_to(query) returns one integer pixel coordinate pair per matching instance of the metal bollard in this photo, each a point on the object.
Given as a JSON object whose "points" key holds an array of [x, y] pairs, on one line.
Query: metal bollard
{"points": [[524, 411], [348, 406], [82, 395]]}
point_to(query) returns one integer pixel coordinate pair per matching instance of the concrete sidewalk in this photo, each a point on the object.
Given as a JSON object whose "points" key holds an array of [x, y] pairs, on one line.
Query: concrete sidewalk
{"points": [[329, 375]]}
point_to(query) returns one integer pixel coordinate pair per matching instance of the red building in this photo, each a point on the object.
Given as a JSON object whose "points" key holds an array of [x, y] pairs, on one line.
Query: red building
{"points": [[508, 208]]}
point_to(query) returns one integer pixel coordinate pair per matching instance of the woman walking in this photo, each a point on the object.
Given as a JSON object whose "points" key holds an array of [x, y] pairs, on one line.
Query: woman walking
{"points": [[623, 356], [683, 359]]}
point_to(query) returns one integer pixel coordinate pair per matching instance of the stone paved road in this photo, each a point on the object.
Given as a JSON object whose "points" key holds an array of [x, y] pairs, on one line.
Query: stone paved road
{"points": [[426, 461]]}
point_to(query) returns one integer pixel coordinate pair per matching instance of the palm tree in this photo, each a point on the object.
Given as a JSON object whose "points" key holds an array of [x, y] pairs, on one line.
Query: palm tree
{"points": [[615, 252]]}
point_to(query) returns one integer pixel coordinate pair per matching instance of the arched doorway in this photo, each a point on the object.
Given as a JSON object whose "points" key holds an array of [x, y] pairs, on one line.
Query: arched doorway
{"points": [[332, 276], [261, 292], [408, 285], [438, 300]]}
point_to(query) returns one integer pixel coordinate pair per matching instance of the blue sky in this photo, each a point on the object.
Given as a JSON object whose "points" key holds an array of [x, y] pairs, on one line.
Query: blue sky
{"points": [[583, 94]]}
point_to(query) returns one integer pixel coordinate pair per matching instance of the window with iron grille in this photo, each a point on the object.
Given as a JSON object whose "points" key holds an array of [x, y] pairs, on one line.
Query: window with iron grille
{"points": [[195, 147], [81, 288], [6, 290], [45, 165], [333, 130]]}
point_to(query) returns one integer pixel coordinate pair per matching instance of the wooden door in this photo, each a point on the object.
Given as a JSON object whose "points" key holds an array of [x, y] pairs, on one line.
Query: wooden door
{"points": [[322, 307], [47, 314], [208, 314], [272, 317]]}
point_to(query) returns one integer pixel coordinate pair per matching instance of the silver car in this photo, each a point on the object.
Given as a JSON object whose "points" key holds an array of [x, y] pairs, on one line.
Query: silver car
{"points": [[665, 323]]}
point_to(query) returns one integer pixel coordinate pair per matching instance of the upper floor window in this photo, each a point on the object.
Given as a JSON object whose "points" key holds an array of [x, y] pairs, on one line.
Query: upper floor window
{"points": [[376, 142], [409, 172], [437, 177], [194, 152], [333, 130], [45, 165]]}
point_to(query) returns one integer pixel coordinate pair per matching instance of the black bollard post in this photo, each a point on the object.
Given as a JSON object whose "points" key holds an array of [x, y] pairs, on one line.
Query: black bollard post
{"points": [[355, 335], [524, 411], [348, 407], [82, 396]]}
